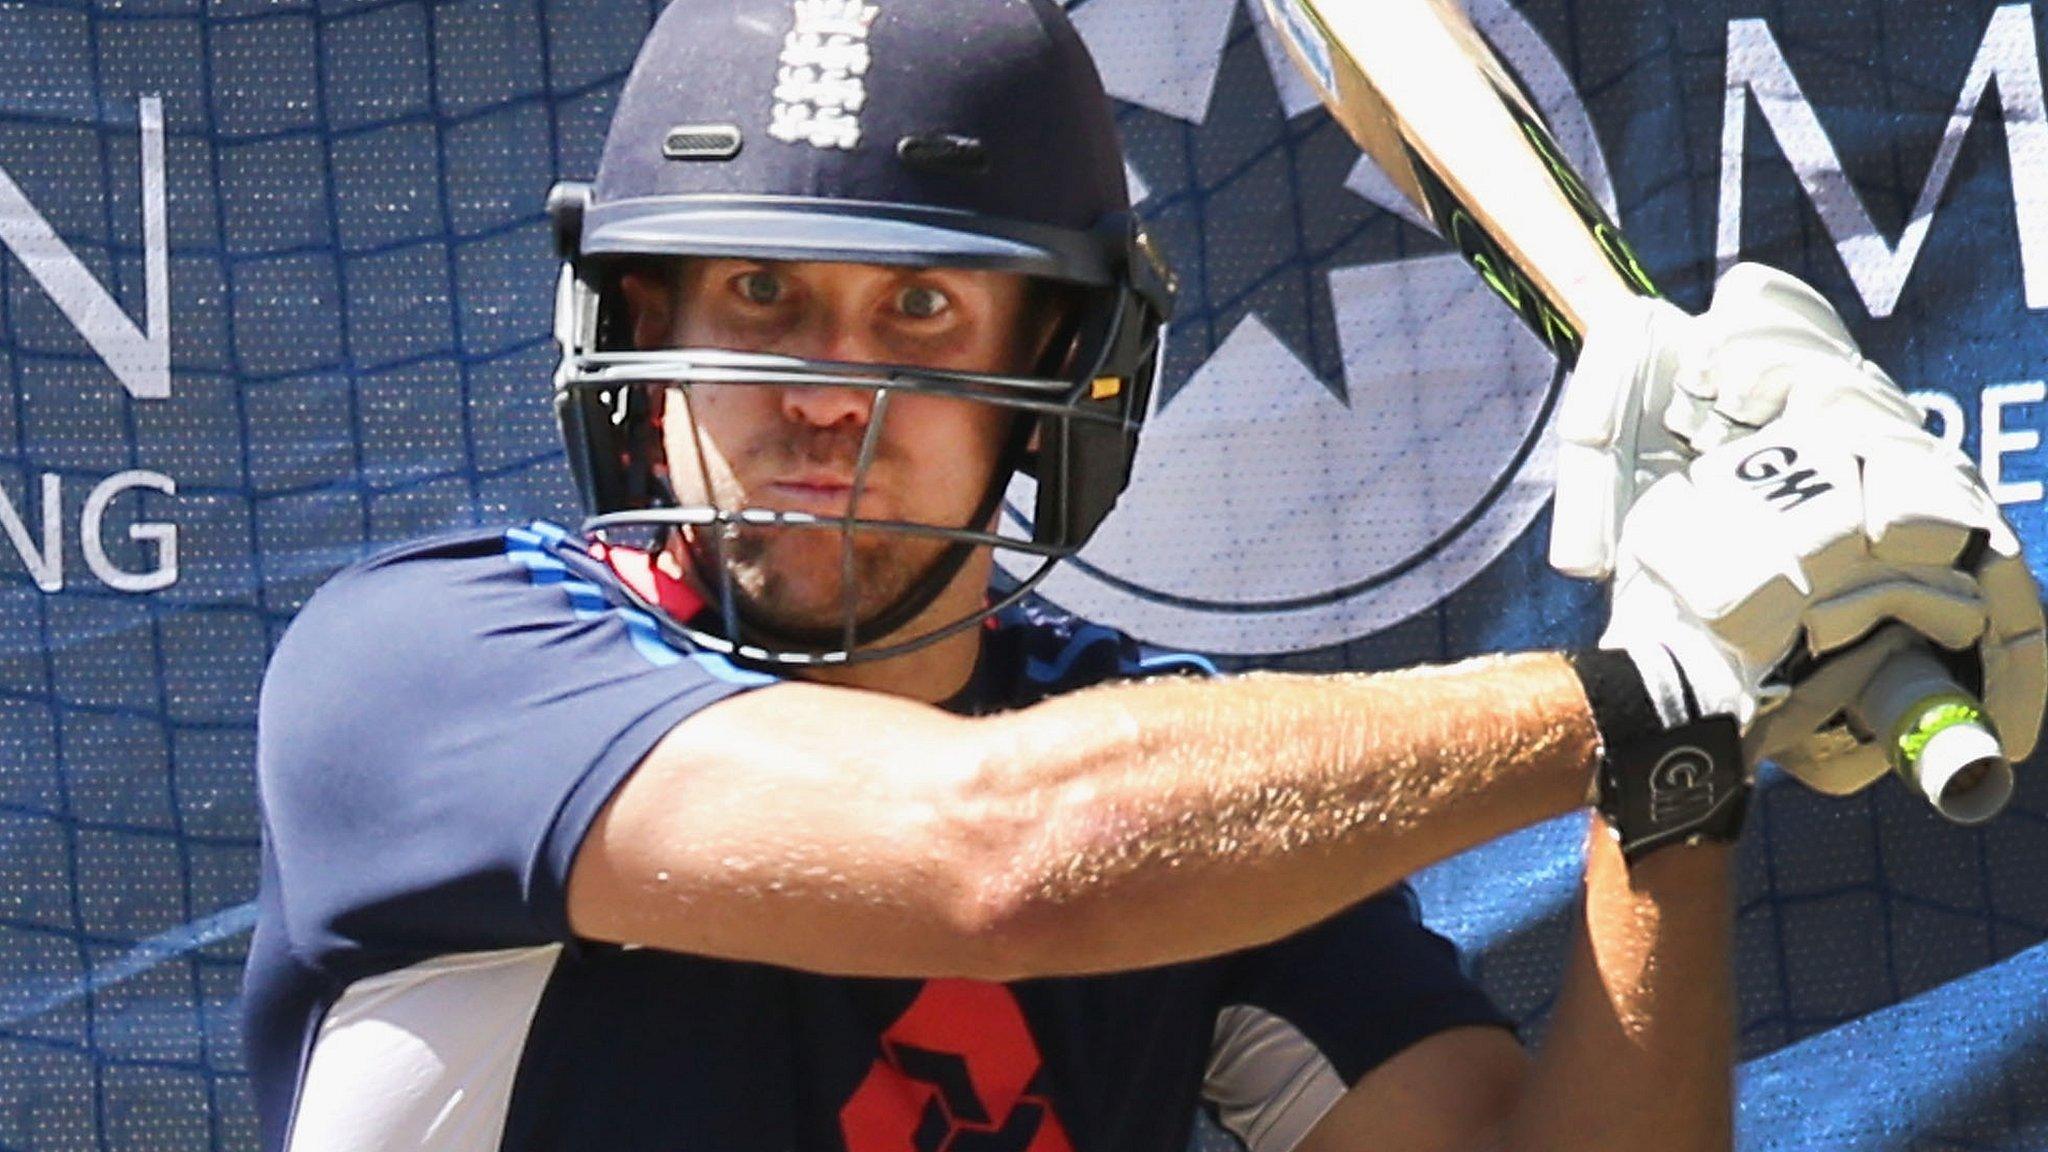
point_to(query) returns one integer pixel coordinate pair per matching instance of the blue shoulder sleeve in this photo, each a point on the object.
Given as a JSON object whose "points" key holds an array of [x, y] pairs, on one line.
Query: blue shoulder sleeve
{"points": [[439, 728]]}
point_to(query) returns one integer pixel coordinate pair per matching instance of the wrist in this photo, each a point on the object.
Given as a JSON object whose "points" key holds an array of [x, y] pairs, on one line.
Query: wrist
{"points": [[1664, 774]]}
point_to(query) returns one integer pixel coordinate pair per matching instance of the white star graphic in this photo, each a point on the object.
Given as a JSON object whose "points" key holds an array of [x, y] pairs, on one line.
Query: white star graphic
{"points": [[1274, 510]]}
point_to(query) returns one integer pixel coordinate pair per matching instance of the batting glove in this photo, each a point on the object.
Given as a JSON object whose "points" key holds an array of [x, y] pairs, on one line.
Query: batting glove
{"points": [[1649, 396], [1745, 583]]}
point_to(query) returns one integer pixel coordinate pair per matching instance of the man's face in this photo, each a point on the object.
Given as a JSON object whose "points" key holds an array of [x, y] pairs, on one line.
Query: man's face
{"points": [[794, 449]]}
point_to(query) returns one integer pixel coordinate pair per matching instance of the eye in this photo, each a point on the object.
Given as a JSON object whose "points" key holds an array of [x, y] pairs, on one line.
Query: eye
{"points": [[759, 287], [922, 302]]}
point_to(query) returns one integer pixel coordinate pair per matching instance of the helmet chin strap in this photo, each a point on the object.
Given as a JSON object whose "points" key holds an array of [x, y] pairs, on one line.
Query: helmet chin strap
{"points": [[937, 576]]}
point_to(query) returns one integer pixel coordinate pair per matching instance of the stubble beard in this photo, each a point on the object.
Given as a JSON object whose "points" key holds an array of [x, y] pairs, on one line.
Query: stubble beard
{"points": [[792, 579]]}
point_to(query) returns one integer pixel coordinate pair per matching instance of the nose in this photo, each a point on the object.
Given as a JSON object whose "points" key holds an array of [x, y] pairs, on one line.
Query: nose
{"points": [[825, 407], [844, 338]]}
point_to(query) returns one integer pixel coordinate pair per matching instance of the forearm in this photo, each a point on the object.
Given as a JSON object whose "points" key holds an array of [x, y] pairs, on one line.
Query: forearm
{"points": [[1640, 1047], [1168, 819], [1118, 827]]}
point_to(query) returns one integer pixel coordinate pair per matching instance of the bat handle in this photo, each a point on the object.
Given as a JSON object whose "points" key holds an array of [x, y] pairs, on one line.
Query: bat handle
{"points": [[1937, 737]]}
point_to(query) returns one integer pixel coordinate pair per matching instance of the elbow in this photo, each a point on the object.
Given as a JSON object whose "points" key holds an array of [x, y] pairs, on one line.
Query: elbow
{"points": [[990, 901], [1003, 855], [991, 935]]}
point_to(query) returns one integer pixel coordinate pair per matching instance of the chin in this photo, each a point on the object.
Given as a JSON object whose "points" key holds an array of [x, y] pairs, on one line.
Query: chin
{"points": [[800, 588]]}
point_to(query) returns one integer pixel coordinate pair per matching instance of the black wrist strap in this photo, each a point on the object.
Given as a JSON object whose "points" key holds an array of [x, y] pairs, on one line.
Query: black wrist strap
{"points": [[1662, 779]]}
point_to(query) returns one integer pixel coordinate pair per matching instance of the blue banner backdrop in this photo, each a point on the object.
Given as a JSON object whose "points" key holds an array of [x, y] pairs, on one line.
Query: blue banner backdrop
{"points": [[276, 290]]}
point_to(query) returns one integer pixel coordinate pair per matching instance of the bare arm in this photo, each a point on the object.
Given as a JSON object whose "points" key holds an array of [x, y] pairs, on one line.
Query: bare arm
{"points": [[1128, 825], [1639, 1049]]}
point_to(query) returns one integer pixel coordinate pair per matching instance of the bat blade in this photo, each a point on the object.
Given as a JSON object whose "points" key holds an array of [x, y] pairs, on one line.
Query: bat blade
{"points": [[1418, 89]]}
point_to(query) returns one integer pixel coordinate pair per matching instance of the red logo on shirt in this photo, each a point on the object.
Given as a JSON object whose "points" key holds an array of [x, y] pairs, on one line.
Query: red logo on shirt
{"points": [[959, 1073]]}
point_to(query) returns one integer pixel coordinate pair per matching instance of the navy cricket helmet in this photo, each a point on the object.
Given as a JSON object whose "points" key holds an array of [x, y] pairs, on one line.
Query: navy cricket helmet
{"points": [[967, 134]]}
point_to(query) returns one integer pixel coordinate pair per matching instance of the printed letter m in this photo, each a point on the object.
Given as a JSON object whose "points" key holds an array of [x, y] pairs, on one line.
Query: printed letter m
{"points": [[1877, 267]]}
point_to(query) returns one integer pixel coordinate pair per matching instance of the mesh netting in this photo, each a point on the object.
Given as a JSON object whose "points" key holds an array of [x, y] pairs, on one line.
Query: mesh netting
{"points": [[359, 295]]}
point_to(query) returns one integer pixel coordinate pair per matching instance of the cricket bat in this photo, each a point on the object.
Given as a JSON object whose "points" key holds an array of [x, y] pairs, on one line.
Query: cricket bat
{"points": [[1417, 87]]}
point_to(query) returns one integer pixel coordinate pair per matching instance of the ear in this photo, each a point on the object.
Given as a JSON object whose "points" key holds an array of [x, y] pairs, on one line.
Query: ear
{"points": [[650, 306]]}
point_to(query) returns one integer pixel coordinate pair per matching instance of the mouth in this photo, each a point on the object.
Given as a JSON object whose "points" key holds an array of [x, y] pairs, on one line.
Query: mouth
{"points": [[818, 495]]}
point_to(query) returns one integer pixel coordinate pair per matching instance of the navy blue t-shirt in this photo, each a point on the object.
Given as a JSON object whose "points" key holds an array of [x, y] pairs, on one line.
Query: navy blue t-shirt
{"points": [[439, 728]]}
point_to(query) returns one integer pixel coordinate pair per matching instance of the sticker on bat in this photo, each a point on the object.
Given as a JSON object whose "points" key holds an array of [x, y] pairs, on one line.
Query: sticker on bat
{"points": [[1606, 233], [1499, 270]]}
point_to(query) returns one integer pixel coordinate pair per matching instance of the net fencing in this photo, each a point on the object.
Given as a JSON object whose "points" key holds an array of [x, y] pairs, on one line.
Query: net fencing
{"points": [[341, 201]]}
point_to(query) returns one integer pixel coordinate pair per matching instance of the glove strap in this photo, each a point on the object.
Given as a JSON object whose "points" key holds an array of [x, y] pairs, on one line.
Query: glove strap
{"points": [[1666, 774]]}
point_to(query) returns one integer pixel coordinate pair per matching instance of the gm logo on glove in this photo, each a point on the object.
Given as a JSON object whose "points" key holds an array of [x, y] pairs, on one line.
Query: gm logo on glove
{"points": [[1776, 463]]}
